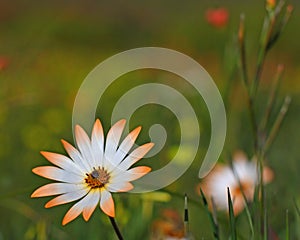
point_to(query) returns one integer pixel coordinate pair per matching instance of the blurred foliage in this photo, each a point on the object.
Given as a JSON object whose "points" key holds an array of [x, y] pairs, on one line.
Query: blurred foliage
{"points": [[47, 48]]}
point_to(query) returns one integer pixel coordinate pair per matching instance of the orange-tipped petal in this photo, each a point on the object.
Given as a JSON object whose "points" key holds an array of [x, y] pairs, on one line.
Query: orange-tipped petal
{"points": [[66, 198], [141, 170], [76, 156], [135, 155], [55, 189], [72, 213], [97, 141], [113, 138], [120, 187], [84, 145], [86, 206], [107, 203], [138, 172], [92, 199], [131, 174], [126, 145], [62, 162], [57, 174], [97, 134]]}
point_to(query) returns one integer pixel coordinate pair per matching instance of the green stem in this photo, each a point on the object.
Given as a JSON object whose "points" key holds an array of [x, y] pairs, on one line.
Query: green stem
{"points": [[265, 225], [277, 124], [296, 206], [186, 217], [282, 24], [261, 144], [245, 200], [231, 216], [243, 64], [261, 56], [272, 96], [116, 228], [261, 192], [211, 216], [287, 233], [253, 122], [241, 40]]}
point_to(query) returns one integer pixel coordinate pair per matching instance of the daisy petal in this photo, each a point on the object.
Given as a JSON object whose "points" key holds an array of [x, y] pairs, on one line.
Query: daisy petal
{"points": [[113, 138], [97, 142], [62, 162], [120, 187], [55, 189], [126, 145], [67, 197], [84, 145], [73, 212], [91, 201], [135, 156], [76, 156], [57, 174], [131, 174], [107, 203]]}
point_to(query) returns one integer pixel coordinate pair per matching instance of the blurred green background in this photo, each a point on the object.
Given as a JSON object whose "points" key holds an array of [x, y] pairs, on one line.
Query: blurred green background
{"points": [[48, 47]]}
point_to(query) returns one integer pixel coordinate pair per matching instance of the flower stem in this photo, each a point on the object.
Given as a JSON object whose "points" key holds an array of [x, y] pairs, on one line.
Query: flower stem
{"points": [[186, 217], [276, 126], [243, 65], [116, 228], [272, 97]]}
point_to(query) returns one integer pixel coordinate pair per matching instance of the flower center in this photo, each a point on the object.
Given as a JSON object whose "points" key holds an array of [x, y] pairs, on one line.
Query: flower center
{"points": [[97, 178]]}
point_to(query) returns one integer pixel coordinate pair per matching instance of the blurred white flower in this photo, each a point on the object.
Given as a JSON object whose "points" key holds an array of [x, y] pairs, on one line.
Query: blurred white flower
{"points": [[241, 178]]}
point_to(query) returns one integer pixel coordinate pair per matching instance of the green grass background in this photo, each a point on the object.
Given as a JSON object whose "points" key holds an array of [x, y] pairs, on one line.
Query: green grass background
{"points": [[52, 45]]}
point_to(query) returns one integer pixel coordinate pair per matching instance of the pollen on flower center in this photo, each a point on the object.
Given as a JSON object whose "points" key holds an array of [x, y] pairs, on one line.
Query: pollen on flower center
{"points": [[97, 178]]}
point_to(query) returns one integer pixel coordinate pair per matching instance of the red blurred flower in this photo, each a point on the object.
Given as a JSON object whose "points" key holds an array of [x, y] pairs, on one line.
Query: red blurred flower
{"points": [[3, 62], [217, 17]]}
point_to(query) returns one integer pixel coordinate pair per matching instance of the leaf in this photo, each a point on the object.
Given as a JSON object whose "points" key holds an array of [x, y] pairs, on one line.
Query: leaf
{"points": [[213, 220], [231, 217]]}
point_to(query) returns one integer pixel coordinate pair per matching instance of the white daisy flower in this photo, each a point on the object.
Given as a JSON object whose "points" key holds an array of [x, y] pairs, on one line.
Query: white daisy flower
{"points": [[92, 171], [241, 178]]}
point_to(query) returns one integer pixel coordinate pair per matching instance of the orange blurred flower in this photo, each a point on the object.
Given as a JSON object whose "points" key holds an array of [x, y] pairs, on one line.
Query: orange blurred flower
{"points": [[92, 172], [217, 17], [241, 178], [270, 4], [170, 226]]}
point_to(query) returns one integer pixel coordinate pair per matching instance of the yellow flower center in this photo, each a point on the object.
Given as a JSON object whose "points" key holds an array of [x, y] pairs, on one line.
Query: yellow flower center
{"points": [[97, 178]]}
